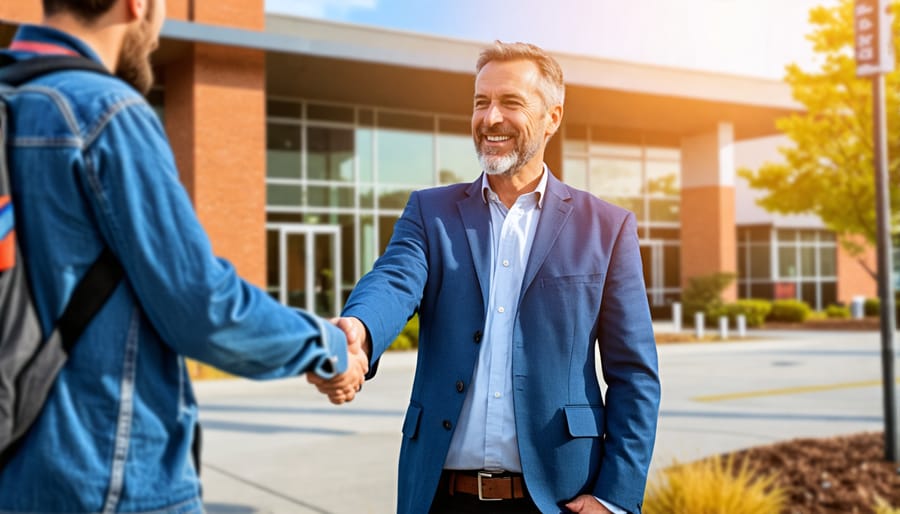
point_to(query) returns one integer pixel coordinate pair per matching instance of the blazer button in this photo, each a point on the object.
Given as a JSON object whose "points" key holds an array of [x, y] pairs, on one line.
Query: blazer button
{"points": [[460, 386], [447, 424], [477, 336]]}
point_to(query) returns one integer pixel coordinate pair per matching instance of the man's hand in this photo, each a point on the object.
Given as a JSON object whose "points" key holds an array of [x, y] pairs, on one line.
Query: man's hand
{"points": [[587, 504], [343, 387]]}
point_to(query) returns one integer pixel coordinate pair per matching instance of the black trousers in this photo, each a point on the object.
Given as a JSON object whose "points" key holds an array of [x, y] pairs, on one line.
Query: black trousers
{"points": [[460, 503]]}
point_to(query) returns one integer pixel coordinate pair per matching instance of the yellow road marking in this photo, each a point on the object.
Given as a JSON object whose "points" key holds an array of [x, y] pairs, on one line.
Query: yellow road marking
{"points": [[786, 390]]}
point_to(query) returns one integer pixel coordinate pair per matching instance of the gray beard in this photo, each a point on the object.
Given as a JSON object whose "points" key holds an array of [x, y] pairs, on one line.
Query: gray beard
{"points": [[507, 164]]}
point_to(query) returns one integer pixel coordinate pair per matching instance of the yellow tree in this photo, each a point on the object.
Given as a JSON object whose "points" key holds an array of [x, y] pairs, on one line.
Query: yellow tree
{"points": [[828, 170]]}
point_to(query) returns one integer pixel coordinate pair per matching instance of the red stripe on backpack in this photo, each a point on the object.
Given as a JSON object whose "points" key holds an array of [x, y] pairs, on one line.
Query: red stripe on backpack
{"points": [[8, 251]]}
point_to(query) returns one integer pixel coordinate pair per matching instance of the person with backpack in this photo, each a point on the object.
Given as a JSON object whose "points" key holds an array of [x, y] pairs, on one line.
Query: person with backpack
{"points": [[92, 174]]}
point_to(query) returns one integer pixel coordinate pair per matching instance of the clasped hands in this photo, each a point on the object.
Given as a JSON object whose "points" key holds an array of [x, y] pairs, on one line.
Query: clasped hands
{"points": [[343, 388]]}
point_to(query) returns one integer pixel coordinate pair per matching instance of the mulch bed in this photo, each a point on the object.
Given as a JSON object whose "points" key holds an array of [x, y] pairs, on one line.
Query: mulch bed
{"points": [[837, 475]]}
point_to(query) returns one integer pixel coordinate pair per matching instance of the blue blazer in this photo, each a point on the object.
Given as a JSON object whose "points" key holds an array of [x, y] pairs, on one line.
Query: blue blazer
{"points": [[583, 285]]}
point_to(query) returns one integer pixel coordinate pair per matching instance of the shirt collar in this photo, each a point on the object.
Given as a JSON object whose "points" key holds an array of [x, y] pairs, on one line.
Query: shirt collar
{"points": [[540, 189], [44, 34]]}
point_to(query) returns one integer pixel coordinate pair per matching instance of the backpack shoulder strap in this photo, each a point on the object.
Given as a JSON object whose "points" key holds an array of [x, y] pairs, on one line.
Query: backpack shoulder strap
{"points": [[16, 73], [106, 272]]}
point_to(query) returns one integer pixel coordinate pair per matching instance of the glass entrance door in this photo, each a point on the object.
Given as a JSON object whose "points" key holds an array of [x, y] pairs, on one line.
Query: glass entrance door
{"points": [[304, 266]]}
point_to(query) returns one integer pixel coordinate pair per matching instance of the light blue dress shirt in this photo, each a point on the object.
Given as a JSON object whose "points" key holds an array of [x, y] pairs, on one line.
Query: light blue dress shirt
{"points": [[485, 437]]}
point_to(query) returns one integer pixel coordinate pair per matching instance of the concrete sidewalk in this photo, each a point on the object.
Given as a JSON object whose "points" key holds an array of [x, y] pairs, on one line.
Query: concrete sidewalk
{"points": [[278, 447]]}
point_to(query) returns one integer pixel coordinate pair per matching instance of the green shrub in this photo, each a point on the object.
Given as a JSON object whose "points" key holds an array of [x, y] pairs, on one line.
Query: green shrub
{"points": [[837, 312], [704, 294], [794, 311], [714, 486], [409, 336], [872, 307], [754, 310]]}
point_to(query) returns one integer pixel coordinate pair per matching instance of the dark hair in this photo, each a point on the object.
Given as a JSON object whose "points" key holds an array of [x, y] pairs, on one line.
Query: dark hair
{"points": [[87, 10]]}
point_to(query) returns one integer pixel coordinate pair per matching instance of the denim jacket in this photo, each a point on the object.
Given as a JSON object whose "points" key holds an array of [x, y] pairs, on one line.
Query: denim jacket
{"points": [[91, 167]]}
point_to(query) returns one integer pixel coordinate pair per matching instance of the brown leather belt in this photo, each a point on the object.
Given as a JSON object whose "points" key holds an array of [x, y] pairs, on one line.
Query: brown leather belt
{"points": [[485, 485]]}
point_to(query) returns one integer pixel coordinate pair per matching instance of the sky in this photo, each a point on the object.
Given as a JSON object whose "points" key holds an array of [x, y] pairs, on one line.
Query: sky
{"points": [[743, 37]]}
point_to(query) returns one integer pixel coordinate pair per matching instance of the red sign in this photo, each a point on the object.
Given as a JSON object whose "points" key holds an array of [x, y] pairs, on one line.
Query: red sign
{"points": [[872, 31], [785, 290]]}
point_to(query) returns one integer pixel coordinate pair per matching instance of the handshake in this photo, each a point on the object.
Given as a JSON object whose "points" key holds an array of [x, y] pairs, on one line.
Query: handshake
{"points": [[343, 388]]}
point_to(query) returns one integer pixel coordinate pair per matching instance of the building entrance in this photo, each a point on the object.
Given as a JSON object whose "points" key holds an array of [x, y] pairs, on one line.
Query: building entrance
{"points": [[304, 266]]}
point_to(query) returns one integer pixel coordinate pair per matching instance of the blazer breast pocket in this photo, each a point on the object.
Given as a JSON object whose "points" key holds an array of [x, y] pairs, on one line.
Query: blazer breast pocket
{"points": [[564, 280]]}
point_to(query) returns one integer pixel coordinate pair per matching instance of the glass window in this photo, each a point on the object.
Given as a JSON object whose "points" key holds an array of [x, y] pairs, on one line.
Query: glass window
{"points": [[363, 140], [348, 250], [393, 198], [664, 154], [405, 157], [807, 235], [284, 195], [787, 235], [330, 154], [827, 258], [615, 177], [808, 262], [157, 100], [633, 204], [272, 255], [367, 247], [385, 231], [808, 294], [672, 258], [329, 113], [283, 151], [575, 172], [663, 178], [787, 261], [766, 291], [829, 293], [575, 139], [367, 197], [329, 196], [760, 234], [613, 150], [457, 161], [366, 117], [406, 121], [672, 234], [665, 210], [760, 265], [284, 109], [742, 271]]}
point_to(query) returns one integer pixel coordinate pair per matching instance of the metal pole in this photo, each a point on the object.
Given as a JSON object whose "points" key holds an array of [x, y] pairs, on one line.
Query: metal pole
{"points": [[885, 270]]}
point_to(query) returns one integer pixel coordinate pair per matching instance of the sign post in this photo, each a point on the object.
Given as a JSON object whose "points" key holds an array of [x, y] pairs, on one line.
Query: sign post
{"points": [[874, 58]]}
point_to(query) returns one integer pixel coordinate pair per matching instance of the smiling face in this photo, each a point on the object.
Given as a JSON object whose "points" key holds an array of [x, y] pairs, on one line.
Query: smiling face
{"points": [[510, 121]]}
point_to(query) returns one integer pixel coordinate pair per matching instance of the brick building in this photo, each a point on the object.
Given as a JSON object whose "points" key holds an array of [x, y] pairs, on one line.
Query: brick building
{"points": [[299, 141]]}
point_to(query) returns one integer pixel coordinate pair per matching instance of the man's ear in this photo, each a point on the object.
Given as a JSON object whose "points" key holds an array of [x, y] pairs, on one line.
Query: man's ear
{"points": [[554, 115], [137, 9]]}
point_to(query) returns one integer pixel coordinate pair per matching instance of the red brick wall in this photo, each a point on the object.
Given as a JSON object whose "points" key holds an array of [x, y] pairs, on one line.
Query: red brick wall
{"points": [[852, 277], [21, 11], [708, 239], [215, 116]]}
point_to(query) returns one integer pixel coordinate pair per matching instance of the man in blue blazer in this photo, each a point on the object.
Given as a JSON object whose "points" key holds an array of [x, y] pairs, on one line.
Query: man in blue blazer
{"points": [[516, 278]]}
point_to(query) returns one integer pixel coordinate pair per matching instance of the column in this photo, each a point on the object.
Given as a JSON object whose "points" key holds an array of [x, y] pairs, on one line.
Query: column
{"points": [[708, 236]]}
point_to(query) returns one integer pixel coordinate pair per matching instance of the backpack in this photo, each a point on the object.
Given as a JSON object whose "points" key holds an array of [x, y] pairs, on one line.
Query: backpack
{"points": [[29, 361]]}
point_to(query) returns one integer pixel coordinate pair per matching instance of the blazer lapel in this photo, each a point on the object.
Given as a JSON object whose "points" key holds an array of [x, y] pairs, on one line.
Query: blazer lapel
{"points": [[554, 215], [476, 218]]}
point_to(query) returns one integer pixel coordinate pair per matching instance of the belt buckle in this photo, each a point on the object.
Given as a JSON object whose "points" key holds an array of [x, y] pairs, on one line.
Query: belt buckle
{"points": [[481, 475]]}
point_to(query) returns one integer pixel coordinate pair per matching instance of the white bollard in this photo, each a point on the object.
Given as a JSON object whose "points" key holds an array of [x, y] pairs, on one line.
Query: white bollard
{"points": [[676, 317], [699, 320], [741, 325], [723, 327]]}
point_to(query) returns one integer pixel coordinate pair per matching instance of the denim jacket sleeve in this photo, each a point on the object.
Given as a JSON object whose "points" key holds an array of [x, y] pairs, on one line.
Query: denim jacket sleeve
{"points": [[196, 301]]}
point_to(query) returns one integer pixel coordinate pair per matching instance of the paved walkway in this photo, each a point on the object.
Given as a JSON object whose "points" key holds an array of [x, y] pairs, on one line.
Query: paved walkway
{"points": [[277, 447]]}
